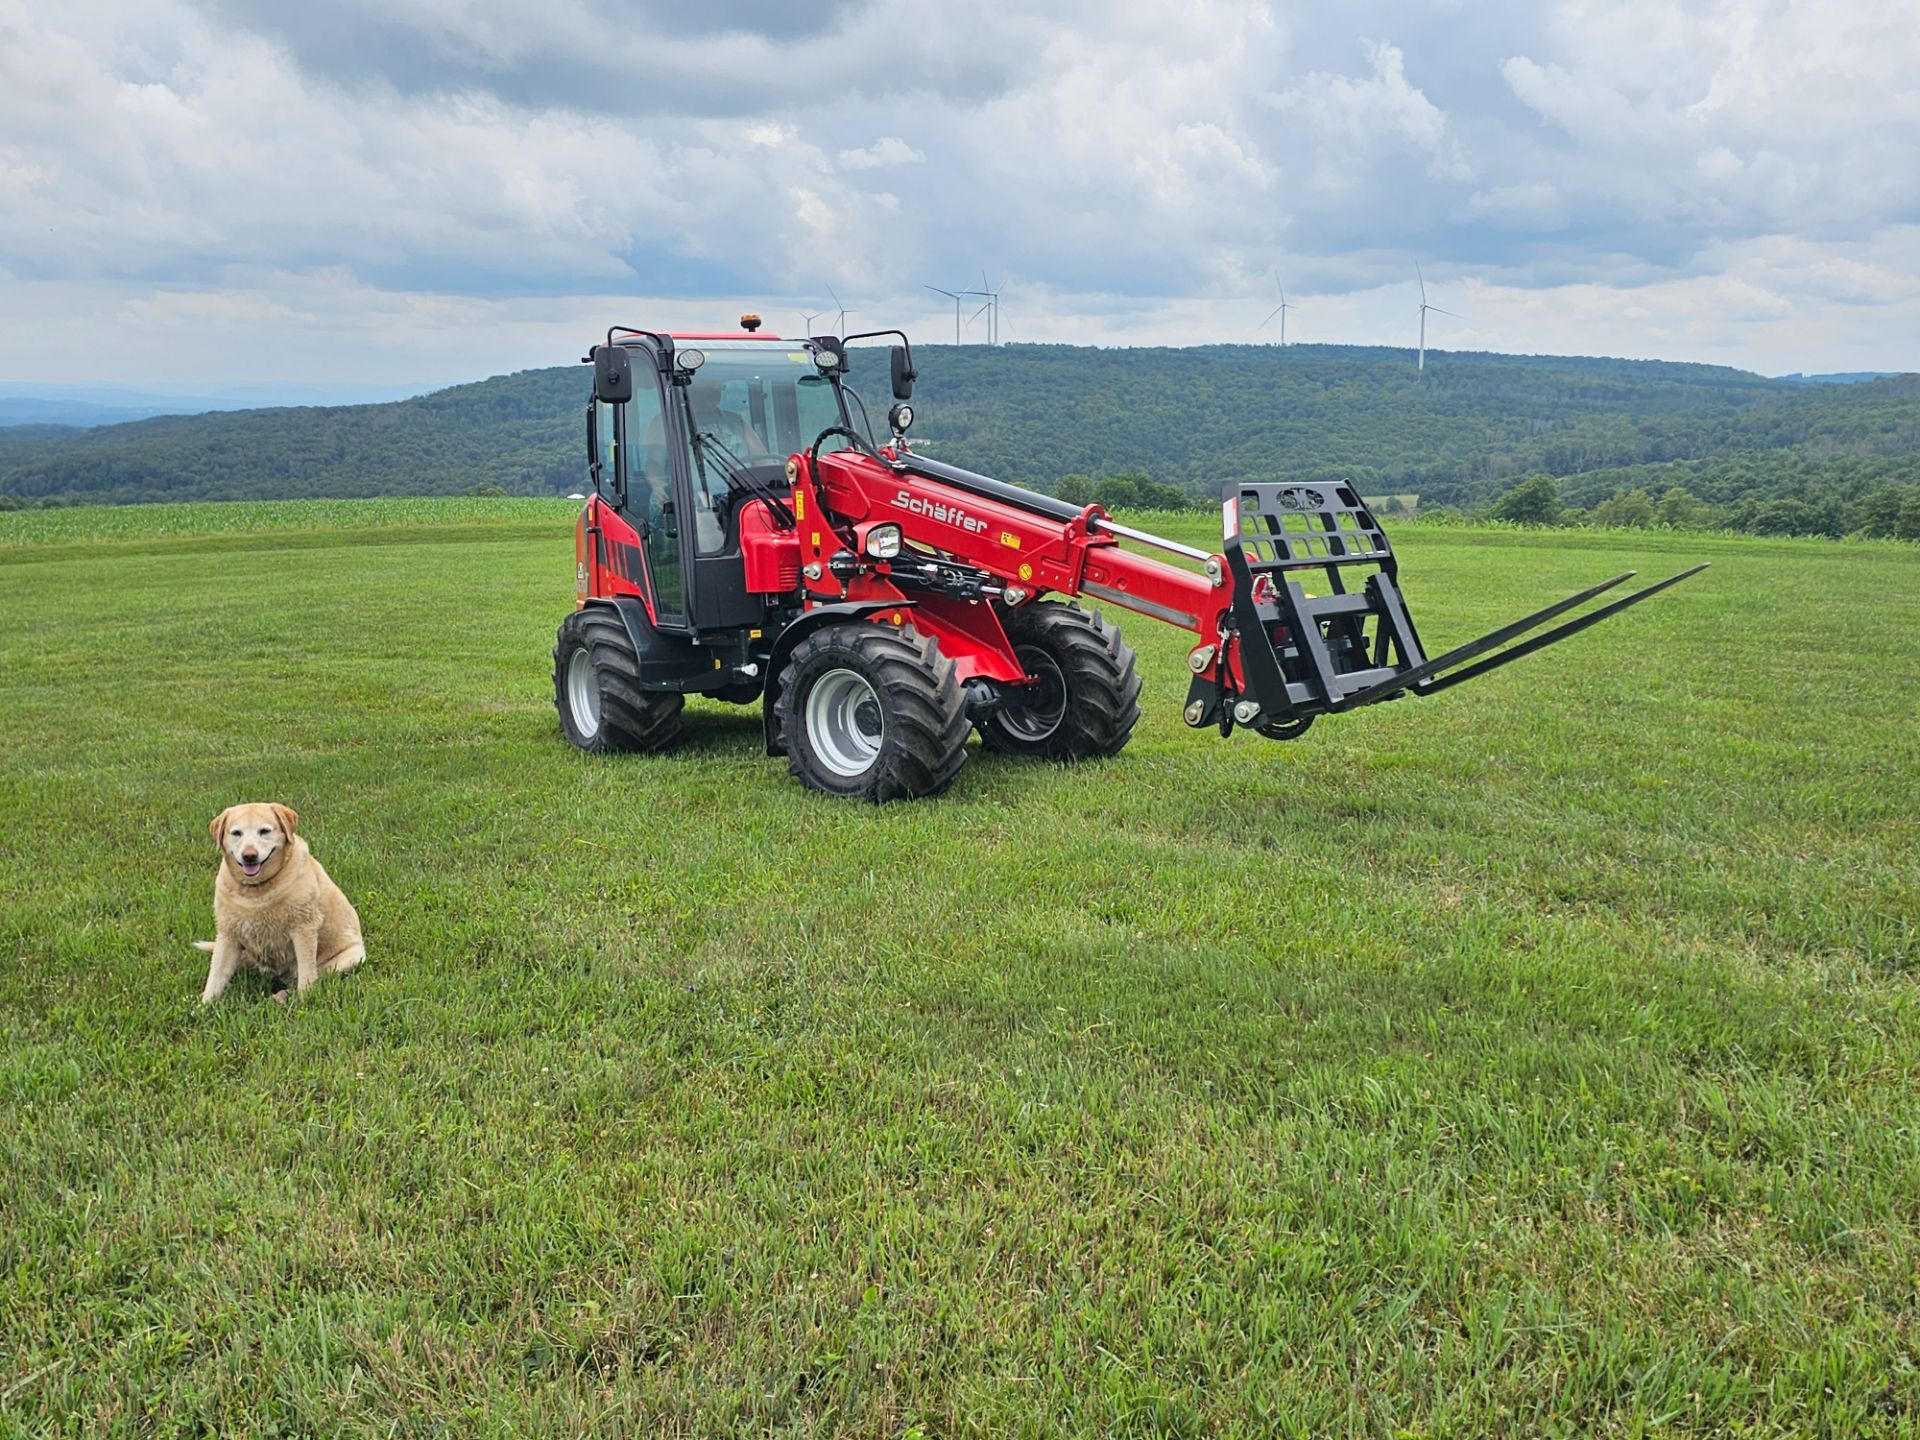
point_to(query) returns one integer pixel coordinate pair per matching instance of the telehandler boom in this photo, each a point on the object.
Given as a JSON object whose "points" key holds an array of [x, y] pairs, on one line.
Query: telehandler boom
{"points": [[748, 538]]}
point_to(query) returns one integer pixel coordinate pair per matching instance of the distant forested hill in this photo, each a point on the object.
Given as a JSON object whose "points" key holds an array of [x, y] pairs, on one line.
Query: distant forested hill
{"points": [[1461, 435], [524, 433]]}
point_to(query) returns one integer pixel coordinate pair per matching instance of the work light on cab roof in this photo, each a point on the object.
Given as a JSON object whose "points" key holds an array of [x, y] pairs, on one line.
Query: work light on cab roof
{"points": [[750, 538]]}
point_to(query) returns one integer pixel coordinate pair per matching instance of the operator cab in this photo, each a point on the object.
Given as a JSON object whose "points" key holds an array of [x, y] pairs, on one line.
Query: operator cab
{"points": [[706, 432]]}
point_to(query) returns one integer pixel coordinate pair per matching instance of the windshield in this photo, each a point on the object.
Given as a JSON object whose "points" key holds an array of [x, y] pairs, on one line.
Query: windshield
{"points": [[762, 402], [749, 407]]}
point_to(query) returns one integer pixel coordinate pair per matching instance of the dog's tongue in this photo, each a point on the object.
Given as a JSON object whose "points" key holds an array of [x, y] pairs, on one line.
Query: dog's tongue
{"points": [[252, 867]]}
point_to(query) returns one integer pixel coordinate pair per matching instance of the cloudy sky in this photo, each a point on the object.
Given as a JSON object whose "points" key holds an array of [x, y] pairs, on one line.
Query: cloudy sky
{"points": [[412, 192]]}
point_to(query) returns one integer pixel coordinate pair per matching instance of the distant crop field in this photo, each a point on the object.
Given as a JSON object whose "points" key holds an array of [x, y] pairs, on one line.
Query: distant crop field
{"points": [[326, 517], [1540, 1059]]}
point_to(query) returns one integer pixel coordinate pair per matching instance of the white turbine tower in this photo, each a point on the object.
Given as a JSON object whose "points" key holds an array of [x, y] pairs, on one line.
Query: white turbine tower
{"points": [[986, 310], [1424, 308], [1280, 310], [843, 311], [953, 295], [992, 307]]}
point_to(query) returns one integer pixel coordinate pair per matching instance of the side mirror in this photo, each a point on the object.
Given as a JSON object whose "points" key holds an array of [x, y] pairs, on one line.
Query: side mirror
{"points": [[903, 373], [612, 374]]}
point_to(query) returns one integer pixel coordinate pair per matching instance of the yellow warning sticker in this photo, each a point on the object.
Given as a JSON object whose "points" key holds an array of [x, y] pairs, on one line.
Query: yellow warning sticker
{"points": [[1026, 571], [800, 506], [1009, 539]]}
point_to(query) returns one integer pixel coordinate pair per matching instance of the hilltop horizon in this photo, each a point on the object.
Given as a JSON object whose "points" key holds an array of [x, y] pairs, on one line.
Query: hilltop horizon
{"points": [[1470, 428], [79, 406]]}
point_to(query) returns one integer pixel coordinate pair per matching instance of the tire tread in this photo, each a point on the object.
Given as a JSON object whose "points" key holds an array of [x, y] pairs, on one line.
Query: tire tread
{"points": [[632, 719], [925, 709], [1103, 686]]}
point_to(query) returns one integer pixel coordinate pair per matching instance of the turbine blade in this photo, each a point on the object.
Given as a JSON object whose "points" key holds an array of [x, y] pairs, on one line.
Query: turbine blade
{"points": [[1419, 275], [1438, 311], [1270, 314]]}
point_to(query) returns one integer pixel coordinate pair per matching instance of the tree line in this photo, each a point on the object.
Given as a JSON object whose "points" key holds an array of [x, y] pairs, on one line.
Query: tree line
{"points": [[1131, 428], [1889, 512]]}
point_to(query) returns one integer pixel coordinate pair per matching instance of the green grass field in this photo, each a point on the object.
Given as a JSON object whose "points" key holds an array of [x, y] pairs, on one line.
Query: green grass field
{"points": [[1544, 1058]]}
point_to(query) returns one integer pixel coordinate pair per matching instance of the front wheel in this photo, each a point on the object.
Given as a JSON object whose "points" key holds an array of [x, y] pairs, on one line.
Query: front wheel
{"points": [[1083, 698], [872, 714], [596, 688]]}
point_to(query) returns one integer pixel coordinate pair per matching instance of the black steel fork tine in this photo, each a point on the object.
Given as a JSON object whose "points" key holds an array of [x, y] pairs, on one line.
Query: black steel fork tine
{"points": [[1477, 647], [1559, 632]]}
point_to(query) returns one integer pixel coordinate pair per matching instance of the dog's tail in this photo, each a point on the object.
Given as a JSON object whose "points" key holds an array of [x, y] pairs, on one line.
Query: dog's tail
{"points": [[206, 945]]}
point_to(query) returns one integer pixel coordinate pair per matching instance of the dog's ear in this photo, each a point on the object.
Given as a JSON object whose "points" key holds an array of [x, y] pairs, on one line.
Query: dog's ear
{"points": [[287, 817], [220, 823]]}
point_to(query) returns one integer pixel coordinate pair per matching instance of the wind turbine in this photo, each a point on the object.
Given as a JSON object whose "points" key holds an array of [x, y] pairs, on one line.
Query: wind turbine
{"points": [[1424, 308], [992, 297], [843, 312], [1280, 310], [953, 295], [986, 310], [806, 322]]}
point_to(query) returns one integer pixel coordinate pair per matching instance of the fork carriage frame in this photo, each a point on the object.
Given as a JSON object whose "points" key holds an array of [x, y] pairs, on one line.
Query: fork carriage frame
{"points": [[1326, 654]]}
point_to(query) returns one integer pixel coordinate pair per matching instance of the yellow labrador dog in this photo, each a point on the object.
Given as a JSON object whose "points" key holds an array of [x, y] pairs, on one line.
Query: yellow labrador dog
{"points": [[274, 908]]}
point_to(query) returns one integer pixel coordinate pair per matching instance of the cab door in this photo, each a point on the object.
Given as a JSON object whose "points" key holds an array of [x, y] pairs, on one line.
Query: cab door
{"points": [[718, 598], [646, 450]]}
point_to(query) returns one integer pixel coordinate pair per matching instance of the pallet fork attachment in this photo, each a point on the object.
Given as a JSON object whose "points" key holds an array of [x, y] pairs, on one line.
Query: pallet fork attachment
{"points": [[1308, 655]]}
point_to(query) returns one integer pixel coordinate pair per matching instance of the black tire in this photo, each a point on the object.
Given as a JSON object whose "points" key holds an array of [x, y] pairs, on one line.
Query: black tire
{"points": [[872, 714], [610, 713], [1067, 650]]}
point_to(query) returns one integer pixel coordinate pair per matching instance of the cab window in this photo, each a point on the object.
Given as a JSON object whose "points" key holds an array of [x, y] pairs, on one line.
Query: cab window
{"points": [[746, 411], [647, 483], [604, 440]]}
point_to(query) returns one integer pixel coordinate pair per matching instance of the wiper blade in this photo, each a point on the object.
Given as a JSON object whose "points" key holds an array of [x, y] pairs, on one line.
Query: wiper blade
{"points": [[734, 471]]}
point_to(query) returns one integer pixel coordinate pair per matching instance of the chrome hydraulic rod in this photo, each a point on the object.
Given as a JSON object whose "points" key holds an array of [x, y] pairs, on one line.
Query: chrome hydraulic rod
{"points": [[1127, 532]]}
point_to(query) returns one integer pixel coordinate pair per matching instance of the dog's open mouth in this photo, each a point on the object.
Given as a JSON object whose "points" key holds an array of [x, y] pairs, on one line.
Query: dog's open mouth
{"points": [[252, 867]]}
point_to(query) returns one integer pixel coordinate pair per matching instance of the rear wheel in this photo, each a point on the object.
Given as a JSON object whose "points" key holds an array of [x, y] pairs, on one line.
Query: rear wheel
{"points": [[872, 714], [596, 688], [1083, 699]]}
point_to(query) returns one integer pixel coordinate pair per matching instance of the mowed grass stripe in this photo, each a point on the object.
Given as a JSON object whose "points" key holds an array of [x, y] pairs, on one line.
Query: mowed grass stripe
{"points": [[1541, 1057]]}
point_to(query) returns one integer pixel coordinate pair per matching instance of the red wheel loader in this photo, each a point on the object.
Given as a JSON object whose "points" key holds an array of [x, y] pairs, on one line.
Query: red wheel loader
{"points": [[751, 539]]}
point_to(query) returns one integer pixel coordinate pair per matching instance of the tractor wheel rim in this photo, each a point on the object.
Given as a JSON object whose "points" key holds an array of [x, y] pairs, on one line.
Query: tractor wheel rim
{"points": [[1034, 711], [583, 693], [845, 724]]}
